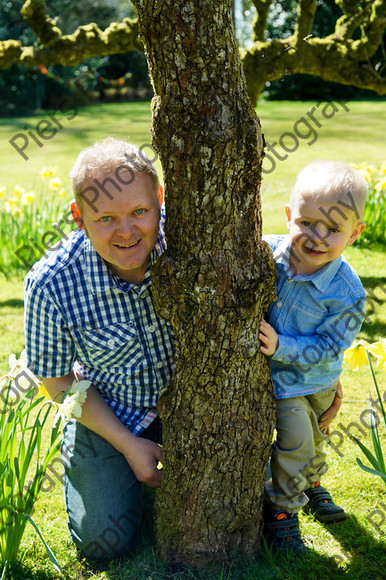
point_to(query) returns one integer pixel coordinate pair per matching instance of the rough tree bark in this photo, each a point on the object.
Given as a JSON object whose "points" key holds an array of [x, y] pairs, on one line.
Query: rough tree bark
{"points": [[214, 283]]}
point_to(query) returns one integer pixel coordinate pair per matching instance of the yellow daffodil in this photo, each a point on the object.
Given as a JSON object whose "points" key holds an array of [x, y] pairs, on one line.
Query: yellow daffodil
{"points": [[3, 191], [48, 172], [42, 392], [381, 184], [367, 172], [27, 197], [12, 206], [355, 356], [55, 183], [18, 191], [61, 192], [378, 349]]}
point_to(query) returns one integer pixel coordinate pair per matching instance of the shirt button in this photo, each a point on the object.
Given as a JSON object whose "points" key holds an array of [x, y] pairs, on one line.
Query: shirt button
{"points": [[290, 279], [111, 342], [159, 365], [151, 328], [278, 304], [143, 295]]}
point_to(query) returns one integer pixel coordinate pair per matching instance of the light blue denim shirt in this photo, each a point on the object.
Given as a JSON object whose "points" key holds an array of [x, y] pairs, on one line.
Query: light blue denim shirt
{"points": [[317, 317]]}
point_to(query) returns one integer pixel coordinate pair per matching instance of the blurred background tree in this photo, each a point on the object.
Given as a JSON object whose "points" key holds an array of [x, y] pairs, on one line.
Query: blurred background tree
{"points": [[25, 90], [281, 20], [268, 67]]}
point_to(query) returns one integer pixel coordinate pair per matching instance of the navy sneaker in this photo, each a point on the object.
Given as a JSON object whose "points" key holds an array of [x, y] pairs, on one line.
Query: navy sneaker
{"points": [[282, 531], [322, 506]]}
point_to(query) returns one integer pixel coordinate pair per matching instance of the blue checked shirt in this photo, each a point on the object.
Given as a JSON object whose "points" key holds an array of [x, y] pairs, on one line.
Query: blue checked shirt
{"points": [[317, 317], [78, 315]]}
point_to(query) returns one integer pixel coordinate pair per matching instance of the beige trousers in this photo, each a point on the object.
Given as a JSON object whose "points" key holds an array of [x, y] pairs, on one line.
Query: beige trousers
{"points": [[298, 459]]}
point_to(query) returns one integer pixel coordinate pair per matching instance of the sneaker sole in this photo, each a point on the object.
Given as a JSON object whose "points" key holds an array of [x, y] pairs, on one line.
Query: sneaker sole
{"points": [[330, 518]]}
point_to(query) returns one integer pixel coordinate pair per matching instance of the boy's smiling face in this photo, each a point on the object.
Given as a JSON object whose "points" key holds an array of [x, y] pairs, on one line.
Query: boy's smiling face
{"points": [[316, 240]]}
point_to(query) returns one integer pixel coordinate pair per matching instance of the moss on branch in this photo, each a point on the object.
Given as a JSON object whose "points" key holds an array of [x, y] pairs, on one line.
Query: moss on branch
{"points": [[72, 49], [306, 15], [260, 23], [328, 58], [340, 57], [34, 12]]}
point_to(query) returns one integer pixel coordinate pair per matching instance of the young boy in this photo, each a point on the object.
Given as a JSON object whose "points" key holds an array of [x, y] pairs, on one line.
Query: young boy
{"points": [[318, 313]]}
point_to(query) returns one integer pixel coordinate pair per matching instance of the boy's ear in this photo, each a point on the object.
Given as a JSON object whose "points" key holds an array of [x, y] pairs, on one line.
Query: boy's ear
{"points": [[288, 214], [75, 211], [356, 232]]}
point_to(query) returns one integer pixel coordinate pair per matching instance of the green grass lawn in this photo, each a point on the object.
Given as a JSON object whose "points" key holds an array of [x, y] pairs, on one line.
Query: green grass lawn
{"points": [[352, 549]]}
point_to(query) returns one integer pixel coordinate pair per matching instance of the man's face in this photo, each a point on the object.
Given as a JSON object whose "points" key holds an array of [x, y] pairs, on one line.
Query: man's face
{"points": [[124, 229]]}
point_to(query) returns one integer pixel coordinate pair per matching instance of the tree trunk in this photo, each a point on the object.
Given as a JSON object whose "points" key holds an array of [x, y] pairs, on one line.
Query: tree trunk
{"points": [[214, 283]]}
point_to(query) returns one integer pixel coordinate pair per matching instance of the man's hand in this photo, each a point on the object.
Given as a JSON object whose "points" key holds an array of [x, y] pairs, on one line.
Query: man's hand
{"points": [[143, 457], [329, 415], [141, 454], [268, 337]]}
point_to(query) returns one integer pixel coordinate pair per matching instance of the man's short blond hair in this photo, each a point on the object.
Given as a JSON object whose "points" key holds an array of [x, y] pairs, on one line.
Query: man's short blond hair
{"points": [[105, 158], [332, 181]]}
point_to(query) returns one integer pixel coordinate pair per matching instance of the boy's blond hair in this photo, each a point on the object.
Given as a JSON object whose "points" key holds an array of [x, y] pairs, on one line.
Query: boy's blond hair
{"points": [[105, 157], [333, 181]]}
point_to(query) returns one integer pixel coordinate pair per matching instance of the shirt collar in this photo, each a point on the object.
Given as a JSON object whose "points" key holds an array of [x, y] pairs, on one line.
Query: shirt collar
{"points": [[320, 279]]}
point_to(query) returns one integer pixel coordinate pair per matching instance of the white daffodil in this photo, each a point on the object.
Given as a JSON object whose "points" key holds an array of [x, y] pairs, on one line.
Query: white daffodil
{"points": [[79, 387], [75, 397], [16, 364], [23, 379], [72, 406]]}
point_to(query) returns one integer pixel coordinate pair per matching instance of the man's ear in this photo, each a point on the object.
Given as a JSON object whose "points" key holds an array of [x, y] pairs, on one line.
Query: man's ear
{"points": [[356, 233], [160, 194], [75, 211], [288, 214]]}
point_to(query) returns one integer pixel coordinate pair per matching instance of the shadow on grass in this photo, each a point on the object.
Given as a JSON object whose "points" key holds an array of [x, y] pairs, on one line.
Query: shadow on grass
{"points": [[361, 557], [365, 556], [20, 572], [12, 303], [373, 327], [143, 562]]}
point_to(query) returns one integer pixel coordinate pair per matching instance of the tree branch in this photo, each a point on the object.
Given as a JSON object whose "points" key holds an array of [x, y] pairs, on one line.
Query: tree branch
{"points": [[338, 57], [34, 12], [373, 29], [305, 20], [260, 23], [331, 61], [71, 49]]}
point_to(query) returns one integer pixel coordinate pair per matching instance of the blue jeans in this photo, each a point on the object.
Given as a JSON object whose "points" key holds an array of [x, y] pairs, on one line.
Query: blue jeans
{"points": [[102, 495]]}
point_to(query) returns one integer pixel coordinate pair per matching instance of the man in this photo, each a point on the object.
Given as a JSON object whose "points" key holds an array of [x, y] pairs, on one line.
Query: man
{"points": [[89, 313]]}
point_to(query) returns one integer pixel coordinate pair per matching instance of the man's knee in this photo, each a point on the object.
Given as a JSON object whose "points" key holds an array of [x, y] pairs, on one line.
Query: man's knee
{"points": [[110, 540]]}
